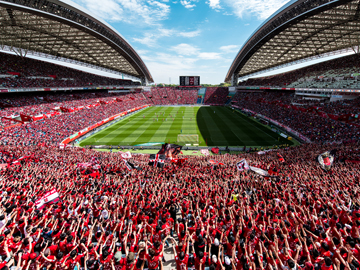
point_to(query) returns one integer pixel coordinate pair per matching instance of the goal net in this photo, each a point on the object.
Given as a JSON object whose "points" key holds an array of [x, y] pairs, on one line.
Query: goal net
{"points": [[189, 138]]}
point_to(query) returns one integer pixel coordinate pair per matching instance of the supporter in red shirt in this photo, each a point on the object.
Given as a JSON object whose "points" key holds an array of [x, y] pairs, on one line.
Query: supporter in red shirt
{"points": [[182, 258], [153, 261]]}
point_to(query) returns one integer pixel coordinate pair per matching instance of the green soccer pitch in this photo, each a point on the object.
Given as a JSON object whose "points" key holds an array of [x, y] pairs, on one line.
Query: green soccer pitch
{"points": [[206, 126]]}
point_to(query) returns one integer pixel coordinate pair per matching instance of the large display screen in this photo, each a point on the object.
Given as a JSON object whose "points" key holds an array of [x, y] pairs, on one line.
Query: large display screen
{"points": [[189, 80]]}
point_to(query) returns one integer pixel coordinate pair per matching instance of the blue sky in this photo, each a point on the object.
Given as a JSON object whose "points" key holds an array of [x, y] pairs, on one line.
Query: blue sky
{"points": [[185, 37]]}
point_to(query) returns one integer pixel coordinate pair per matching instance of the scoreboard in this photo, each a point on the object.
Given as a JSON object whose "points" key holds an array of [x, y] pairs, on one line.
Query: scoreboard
{"points": [[189, 80]]}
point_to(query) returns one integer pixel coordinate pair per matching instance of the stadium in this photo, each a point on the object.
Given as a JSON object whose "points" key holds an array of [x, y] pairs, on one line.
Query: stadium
{"points": [[101, 167]]}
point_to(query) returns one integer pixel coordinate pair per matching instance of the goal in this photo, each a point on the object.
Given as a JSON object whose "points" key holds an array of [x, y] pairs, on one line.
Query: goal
{"points": [[188, 138]]}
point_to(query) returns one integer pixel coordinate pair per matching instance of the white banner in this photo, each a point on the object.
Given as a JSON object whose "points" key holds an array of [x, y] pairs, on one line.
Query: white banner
{"points": [[126, 155], [242, 165], [264, 151], [50, 197], [205, 152], [259, 171]]}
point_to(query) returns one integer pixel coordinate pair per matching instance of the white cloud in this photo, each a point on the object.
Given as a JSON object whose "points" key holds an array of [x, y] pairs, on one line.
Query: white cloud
{"points": [[185, 49], [209, 55], [214, 4], [150, 38], [190, 34], [260, 8], [189, 4], [229, 48], [163, 32], [107, 9], [149, 12], [173, 60], [142, 52]]}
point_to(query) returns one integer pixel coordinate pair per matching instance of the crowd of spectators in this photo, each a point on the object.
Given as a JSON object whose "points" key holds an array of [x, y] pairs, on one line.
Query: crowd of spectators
{"points": [[216, 95], [26, 73], [32, 105], [56, 128], [109, 218], [171, 96], [340, 107], [285, 97], [188, 96], [310, 124]]}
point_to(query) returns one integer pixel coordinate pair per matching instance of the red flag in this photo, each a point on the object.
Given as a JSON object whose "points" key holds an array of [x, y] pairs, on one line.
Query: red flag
{"points": [[281, 159], [178, 161], [215, 162]]}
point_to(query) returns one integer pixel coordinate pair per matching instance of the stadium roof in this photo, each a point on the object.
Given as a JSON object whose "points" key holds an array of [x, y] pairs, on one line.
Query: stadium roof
{"points": [[66, 31], [299, 30]]}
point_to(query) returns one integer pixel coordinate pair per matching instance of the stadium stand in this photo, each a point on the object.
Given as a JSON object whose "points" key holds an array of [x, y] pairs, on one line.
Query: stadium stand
{"points": [[340, 107], [314, 124], [188, 96], [340, 73], [171, 96], [149, 96], [216, 95], [34, 104], [56, 120], [16, 71], [178, 94], [155, 96]]}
